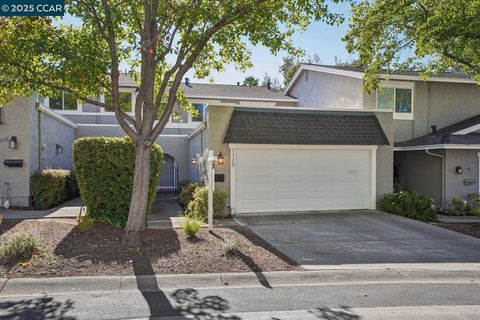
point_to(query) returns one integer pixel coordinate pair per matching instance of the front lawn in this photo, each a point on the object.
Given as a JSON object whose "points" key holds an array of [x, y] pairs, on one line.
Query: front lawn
{"points": [[69, 251]]}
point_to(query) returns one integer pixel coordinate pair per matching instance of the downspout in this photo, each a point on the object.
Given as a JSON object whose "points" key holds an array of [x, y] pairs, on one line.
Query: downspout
{"points": [[39, 131], [427, 151]]}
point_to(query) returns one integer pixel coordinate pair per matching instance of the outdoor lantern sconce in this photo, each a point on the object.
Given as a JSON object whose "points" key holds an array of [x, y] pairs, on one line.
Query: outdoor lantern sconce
{"points": [[59, 149], [458, 170], [12, 142], [220, 158], [194, 160]]}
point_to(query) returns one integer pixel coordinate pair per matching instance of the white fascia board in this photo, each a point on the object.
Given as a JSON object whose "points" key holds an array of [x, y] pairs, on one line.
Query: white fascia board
{"points": [[360, 75], [438, 146], [303, 146], [468, 130], [195, 132], [57, 116]]}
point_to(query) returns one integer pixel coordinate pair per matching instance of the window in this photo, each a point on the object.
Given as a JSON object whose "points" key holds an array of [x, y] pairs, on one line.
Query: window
{"points": [[199, 116], [125, 101], [397, 99], [63, 101]]}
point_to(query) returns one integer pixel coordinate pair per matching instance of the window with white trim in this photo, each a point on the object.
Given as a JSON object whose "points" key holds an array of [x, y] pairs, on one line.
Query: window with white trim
{"points": [[125, 100], [63, 101], [397, 99]]}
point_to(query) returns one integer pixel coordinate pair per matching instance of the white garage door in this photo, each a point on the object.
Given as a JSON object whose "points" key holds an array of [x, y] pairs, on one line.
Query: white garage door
{"points": [[281, 179]]}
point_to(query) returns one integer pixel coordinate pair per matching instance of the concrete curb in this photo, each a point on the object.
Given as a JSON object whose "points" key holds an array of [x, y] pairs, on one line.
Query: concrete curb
{"points": [[43, 286]]}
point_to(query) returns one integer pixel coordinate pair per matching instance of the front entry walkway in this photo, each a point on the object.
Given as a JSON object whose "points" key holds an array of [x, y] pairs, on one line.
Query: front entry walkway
{"points": [[320, 239]]}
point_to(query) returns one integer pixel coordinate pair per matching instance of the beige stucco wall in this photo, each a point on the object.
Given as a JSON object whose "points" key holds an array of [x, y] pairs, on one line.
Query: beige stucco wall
{"points": [[385, 155], [218, 119], [15, 122], [323, 91]]}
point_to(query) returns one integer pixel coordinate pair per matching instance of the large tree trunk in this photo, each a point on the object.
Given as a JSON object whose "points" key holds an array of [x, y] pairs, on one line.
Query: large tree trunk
{"points": [[141, 184]]}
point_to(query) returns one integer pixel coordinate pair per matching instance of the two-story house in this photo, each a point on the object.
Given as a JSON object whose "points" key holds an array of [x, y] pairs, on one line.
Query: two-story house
{"points": [[322, 144]]}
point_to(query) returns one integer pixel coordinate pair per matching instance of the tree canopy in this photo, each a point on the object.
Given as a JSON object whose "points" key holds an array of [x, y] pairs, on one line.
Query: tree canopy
{"points": [[250, 81], [430, 35]]}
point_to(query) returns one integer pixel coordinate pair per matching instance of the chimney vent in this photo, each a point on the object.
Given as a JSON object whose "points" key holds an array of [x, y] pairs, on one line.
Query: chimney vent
{"points": [[238, 83], [434, 129], [187, 81], [269, 85]]}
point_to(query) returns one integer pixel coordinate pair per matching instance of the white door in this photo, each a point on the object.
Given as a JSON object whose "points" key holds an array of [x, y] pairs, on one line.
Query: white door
{"points": [[270, 179]]}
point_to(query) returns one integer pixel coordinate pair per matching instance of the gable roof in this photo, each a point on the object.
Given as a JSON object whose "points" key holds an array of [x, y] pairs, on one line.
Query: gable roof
{"points": [[448, 135], [269, 126], [358, 72], [228, 91]]}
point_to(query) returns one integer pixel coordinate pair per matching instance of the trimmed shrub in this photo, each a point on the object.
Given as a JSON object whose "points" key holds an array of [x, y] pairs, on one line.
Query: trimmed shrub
{"points": [[458, 207], [105, 168], [19, 247], [191, 225], [199, 204], [52, 187], [408, 204], [186, 193]]}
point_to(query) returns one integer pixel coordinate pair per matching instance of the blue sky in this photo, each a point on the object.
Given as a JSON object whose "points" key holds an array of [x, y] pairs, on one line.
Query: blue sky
{"points": [[320, 38]]}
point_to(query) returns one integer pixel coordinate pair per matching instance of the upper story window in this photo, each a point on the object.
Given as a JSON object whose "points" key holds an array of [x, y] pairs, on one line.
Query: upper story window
{"points": [[199, 116], [126, 100], [397, 99], [63, 101]]}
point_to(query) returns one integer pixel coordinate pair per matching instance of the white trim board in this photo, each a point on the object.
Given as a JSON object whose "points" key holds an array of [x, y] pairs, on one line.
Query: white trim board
{"points": [[438, 146], [468, 130], [359, 75], [57, 116]]}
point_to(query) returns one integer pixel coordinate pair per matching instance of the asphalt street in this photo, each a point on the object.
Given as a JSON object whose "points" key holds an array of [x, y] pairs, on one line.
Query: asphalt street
{"points": [[351, 301]]}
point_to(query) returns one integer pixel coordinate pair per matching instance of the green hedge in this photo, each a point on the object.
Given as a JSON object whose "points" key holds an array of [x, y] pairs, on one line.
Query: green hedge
{"points": [[104, 168], [410, 204], [199, 205], [52, 187]]}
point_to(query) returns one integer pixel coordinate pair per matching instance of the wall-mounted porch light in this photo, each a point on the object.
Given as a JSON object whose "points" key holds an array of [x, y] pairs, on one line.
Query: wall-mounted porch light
{"points": [[59, 149], [220, 158], [194, 160], [12, 142]]}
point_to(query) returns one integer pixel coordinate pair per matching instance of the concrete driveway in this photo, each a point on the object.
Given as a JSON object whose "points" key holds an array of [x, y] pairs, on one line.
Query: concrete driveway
{"points": [[321, 239]]}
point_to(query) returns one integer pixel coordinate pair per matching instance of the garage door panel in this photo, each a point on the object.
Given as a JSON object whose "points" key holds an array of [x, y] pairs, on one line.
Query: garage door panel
{"points": [[269, 180]]}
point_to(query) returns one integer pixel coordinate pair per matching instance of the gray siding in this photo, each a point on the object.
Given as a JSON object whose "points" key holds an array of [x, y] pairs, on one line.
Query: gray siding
{"points": [[323, 90], [456, 186], [421, 172], [385, 156]]}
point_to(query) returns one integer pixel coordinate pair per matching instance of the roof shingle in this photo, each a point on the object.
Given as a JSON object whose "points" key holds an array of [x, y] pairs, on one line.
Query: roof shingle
{"points": [[264, 126], [233, 91]]}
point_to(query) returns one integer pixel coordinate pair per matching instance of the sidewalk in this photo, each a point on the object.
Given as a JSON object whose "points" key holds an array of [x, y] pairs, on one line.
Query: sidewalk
{"points": [[457, 219], [69, 209], [457, 273]]}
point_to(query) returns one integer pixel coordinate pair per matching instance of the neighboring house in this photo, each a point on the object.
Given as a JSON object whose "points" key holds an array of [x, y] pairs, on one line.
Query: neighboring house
{"points": [[434, 124], [322, 144]]}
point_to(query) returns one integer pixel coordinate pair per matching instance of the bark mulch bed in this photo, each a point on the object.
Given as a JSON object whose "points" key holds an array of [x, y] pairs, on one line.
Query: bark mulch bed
{"points": [[69, 251], [470, 229]]}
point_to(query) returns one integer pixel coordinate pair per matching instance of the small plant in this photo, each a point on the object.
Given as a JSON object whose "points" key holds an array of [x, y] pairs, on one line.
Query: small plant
{"points": [[186, 193], [19, 247], [410, 204], [199, 205], [473, 200], [458, 207], [191, 225], [84, 222], [230, 247]]}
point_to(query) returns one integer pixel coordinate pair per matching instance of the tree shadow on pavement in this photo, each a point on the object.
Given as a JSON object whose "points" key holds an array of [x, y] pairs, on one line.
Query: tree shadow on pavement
{"points": [[187, 302], [250, 263], [341, 313], [38, 308]]}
